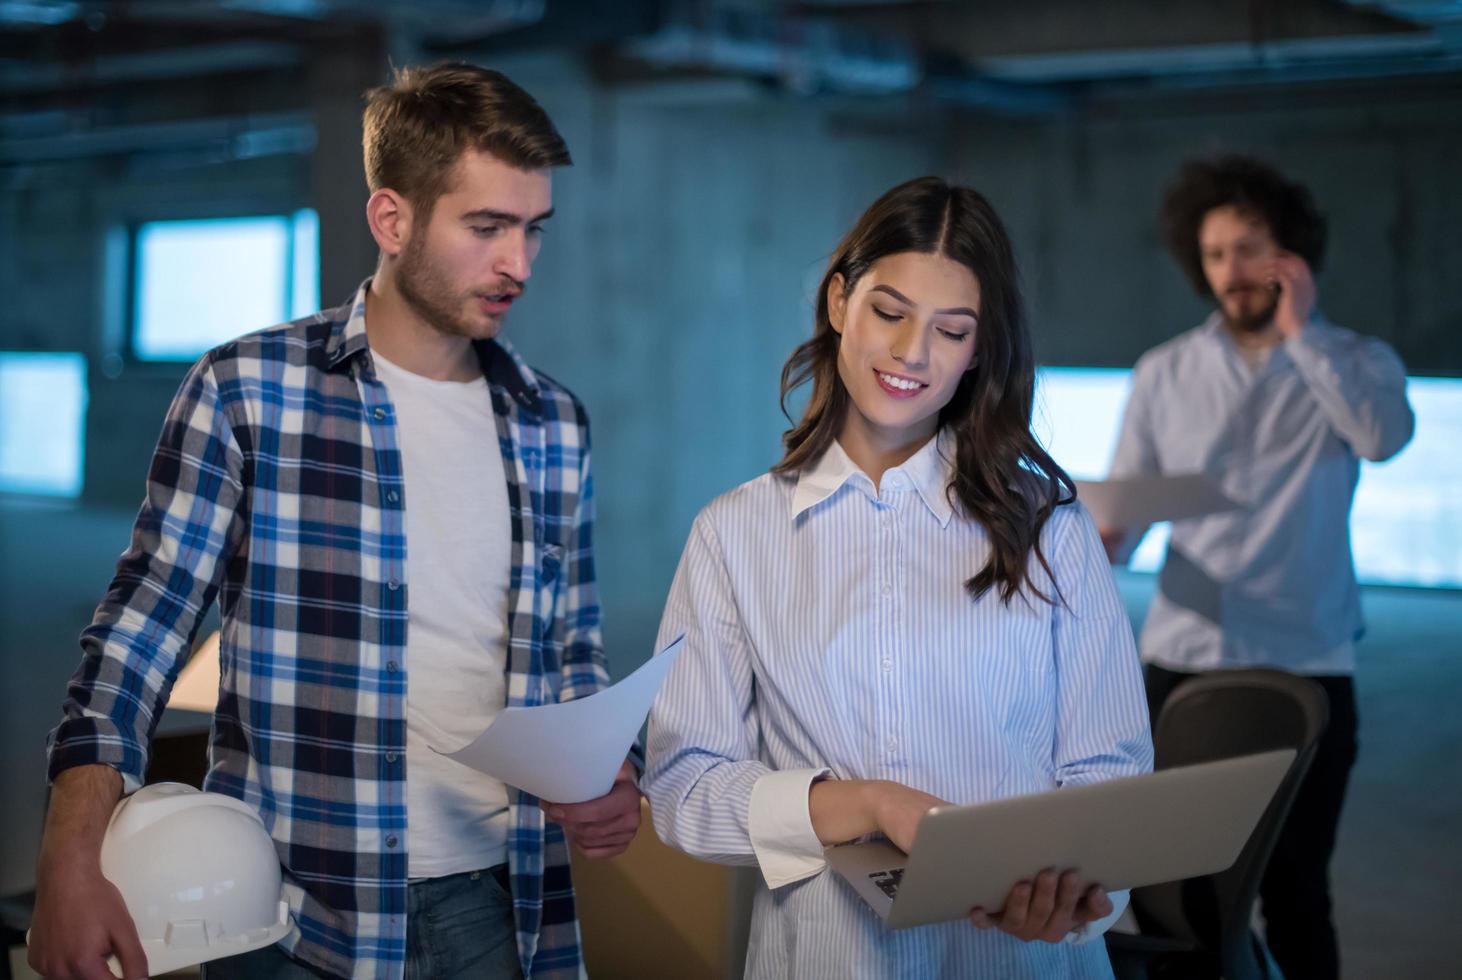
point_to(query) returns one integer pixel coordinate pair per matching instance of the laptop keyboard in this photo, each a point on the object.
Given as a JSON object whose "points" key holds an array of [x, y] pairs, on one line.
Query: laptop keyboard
{"points": [[888, 881]]}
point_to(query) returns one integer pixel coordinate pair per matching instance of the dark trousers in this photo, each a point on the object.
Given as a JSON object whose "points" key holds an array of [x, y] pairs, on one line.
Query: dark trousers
{"points": [[1295, 892]]}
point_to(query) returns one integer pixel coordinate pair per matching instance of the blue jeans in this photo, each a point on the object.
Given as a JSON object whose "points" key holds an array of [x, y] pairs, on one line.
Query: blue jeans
{"points": [[456, 926]]}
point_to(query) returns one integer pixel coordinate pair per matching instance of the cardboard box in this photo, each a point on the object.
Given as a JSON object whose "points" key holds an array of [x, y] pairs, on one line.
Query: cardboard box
{"points": [[655, 912]]}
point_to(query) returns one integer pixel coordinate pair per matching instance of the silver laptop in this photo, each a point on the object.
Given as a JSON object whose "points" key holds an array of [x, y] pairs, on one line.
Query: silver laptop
{"points": [[1122, 833]]}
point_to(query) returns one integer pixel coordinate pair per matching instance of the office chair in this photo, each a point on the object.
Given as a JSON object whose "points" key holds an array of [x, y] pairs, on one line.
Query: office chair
{"points": [[1199, 927]]}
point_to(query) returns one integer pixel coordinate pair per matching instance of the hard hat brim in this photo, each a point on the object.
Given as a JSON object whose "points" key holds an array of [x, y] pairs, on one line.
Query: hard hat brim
{"points": [[164, 956]]}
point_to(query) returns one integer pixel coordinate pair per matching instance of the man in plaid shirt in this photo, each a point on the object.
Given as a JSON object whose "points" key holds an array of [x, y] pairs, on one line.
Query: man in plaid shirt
{"points": [[357, 630]]}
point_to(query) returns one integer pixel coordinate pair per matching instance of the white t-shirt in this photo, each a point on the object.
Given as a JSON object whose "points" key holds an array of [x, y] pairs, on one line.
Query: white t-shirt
{"points": [[458, 563]]}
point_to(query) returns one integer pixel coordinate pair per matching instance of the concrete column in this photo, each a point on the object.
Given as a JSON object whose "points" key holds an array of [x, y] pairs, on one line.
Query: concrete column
{"points": [[339, 77]]}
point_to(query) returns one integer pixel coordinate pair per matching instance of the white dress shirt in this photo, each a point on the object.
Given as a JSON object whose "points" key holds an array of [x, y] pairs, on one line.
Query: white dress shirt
{"points": [[1272, 583], [829, 632]]}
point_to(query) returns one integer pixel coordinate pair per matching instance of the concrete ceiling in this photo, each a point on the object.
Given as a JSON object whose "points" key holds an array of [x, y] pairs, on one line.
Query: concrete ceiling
{"points": [[68, 66], [894, 44]]}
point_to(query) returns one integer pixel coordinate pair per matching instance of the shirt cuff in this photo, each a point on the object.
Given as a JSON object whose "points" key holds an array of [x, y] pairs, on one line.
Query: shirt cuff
{"points": [[779, 823], [1309, 348], [1094, 929]]}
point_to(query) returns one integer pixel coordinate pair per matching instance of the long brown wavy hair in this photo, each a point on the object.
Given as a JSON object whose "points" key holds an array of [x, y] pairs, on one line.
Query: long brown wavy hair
{"points": [[1002, 477]]}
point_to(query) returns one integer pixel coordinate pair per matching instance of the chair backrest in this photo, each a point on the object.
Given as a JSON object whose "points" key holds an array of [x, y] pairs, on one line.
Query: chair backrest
{"points": [[1215, 716]]}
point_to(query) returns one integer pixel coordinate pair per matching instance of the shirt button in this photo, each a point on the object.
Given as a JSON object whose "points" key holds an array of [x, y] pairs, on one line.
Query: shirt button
{"points": [[393, 585], [887, 664], [390, 840], [887, 589], [379, 414], [391, 666], [891, 743], [393, 496], [392, 756]]}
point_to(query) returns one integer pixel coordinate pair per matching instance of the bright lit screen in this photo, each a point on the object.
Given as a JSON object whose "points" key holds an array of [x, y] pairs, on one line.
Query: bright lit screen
{"points": [[42, 422], [1406, 526]]}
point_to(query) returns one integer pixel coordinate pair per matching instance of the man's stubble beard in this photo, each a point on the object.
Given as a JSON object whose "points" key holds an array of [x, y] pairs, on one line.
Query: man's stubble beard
{"points": [[428, 294], [1252, 322]]}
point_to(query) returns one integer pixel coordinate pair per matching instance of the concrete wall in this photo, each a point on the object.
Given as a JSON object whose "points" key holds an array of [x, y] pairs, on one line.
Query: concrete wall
{"points": [[674, 282], [1081, 195]]}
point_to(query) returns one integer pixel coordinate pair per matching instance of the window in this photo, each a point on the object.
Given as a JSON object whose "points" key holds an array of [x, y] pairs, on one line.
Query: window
{"points": [[1078, 417], [199, 283], [42, 422], [1406, 525]]}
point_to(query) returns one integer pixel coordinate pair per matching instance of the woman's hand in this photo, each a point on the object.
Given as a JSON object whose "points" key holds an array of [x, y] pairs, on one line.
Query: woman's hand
{"points": [[898, 810], [843, 809], [1047, 908]]}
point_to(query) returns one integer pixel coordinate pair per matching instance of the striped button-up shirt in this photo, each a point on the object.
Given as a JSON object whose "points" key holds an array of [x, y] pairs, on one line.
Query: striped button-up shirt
{"points": [[277, 488], [828, 629]]}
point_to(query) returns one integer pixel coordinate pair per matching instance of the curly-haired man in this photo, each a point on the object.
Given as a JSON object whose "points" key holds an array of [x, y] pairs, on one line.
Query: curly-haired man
{"points": [[1278, 406]]}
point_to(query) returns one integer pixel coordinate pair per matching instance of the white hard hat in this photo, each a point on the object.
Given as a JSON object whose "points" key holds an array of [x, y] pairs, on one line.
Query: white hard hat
{"points": [[198, 872]]}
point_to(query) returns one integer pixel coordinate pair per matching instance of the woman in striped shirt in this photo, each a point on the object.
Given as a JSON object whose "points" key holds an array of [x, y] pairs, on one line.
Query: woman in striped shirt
{"points": [[910, 608]]}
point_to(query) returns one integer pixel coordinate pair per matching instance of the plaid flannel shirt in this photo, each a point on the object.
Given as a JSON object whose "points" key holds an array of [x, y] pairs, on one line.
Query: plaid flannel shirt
{"points": [[276, 487]]}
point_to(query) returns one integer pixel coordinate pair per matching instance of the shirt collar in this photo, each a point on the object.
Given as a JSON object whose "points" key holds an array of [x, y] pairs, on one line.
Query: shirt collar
{"points": [[930, 471], [348, 336], [1213, 326], [823, 479], [927, 472], [501, 364]]}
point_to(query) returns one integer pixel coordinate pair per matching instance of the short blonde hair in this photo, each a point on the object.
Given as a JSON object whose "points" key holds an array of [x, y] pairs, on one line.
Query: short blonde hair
{"points": [[417, 127]]}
